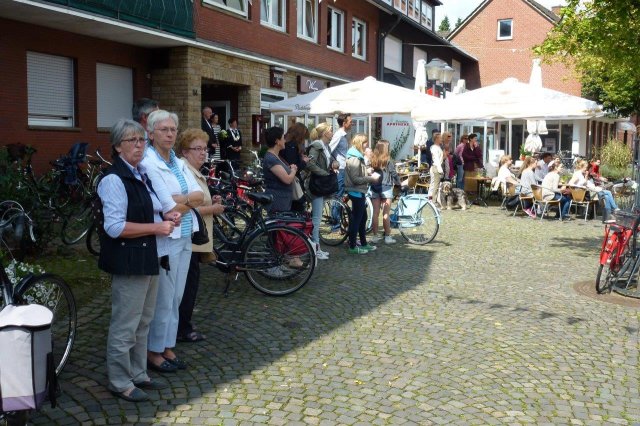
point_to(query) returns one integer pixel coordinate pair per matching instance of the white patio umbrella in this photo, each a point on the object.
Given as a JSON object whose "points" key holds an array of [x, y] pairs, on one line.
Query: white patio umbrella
{"points": [[508, 100], [421, 137], [535, 128], [368, 96]]}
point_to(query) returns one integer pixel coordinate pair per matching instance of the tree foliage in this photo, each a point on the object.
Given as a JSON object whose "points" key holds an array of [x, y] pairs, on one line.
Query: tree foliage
{"points": [[601, 40], [444, 24], [458, 22]]}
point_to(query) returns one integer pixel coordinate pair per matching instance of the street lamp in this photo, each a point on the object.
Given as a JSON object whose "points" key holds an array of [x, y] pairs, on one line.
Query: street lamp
{"points": [[439, 70]]}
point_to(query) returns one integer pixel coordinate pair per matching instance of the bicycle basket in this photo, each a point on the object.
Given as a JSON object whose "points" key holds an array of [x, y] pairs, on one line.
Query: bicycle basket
{"points": [[626, 219]]}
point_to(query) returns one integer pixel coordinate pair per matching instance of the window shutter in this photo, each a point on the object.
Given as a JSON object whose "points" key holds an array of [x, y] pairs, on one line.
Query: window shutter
{"points": [[114, 87], [50, 86]]}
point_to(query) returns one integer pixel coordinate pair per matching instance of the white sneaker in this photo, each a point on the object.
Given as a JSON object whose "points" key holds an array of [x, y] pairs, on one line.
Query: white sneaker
{"points": [[374, 239], [389, 240], [322, 255]]}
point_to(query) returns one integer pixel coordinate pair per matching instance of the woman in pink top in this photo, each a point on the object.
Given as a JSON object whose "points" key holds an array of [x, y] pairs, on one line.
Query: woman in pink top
{"points": [[458, 162]]}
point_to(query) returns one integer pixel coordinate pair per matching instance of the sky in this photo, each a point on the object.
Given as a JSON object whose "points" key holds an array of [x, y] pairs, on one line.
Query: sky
{"points": [[455, 9]]}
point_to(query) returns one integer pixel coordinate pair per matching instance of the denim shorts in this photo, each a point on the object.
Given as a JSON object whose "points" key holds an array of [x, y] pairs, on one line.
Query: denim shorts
{"points": [[387, 193]]}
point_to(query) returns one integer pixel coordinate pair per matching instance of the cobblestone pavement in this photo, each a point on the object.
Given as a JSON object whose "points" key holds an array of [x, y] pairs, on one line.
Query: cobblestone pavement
{"points": [[482, 326]]}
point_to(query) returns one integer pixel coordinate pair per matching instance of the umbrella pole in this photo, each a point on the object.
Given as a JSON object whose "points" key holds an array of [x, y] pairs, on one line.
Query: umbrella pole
{"points": [[370, 140], [510, 137], [484, 149]]}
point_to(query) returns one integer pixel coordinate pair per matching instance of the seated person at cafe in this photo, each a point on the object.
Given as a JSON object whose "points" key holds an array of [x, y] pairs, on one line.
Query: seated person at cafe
{"points": [[543, 166], [581, 177], [551, 190], [528, 178], [504, 172]]}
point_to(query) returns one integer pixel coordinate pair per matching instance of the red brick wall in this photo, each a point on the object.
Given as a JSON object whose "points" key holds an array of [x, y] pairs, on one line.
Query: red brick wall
{"points": [[499, 59], [16, 38], [213, 24]]}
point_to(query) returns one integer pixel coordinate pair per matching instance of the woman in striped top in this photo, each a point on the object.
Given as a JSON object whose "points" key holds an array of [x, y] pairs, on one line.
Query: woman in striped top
{"points": [[164, 168]]}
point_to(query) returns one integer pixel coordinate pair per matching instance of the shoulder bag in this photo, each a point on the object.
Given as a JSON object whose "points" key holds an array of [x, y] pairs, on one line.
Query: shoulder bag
{"points": [[322, 186], [201, 236]]}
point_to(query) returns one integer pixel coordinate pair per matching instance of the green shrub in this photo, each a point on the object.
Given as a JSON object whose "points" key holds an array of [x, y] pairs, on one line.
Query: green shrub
{"points": [[616, 154], [615, 173]]}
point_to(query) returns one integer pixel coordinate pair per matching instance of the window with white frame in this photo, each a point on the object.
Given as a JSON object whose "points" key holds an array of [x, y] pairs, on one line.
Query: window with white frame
{"points": [[272, 13], [401, 5], [505, 29], [417, 55], [235, 6], [50, 90], [114, 93], [308, 19], [414, 9], [393, 53], [426, 15], [335, 29], [359, 39]]}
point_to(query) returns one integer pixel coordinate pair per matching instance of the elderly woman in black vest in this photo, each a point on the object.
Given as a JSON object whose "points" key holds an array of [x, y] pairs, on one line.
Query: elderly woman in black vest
{"points": [[137, 221]]}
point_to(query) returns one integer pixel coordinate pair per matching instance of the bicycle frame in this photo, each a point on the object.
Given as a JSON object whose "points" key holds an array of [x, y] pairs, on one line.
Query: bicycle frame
{"points": [[398, 221], [615, 239]]}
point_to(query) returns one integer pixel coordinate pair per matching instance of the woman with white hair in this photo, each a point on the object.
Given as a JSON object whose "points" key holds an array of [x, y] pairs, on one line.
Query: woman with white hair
{"points": [[167, 170]]}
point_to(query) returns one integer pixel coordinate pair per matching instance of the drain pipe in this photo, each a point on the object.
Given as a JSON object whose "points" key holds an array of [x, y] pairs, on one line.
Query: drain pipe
{"points": [[381, 37]]}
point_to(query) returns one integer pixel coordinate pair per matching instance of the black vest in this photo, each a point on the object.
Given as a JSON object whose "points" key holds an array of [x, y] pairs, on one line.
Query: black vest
{"points": [[131, 256]]}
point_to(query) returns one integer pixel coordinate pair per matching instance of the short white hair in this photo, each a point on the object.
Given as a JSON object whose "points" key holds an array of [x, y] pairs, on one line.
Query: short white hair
{"points": [[160, 115]]}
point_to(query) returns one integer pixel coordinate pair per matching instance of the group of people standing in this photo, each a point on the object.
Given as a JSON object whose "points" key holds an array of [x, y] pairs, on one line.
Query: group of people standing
{"points": [[223, 144], [153, 197]]}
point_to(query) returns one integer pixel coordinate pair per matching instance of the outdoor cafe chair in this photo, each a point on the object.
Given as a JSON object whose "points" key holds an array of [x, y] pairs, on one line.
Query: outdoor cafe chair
{"points": [[543, 205], [422, 185], [507, 193], [579, 199], [521, 199]]}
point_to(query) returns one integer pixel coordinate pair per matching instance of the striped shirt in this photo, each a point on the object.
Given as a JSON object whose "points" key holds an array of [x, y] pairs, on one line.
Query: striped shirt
{"points": [[187, 220]]}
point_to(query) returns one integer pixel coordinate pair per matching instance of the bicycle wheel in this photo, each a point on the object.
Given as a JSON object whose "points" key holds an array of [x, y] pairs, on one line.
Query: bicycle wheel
{"points": [[93, 240], [422, 227], [16, 230], [606, 276], [279, 260], [334, 224], [76, 225], [51, 291], [369, 207]]}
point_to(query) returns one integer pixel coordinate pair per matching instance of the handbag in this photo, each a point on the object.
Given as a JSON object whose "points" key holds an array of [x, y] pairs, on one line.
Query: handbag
{"points": [[323, 185], [201, 236], [296, 189]]}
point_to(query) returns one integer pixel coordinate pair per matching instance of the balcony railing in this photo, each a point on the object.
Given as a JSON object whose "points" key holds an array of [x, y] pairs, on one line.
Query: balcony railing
{"points": [[175, 16]]}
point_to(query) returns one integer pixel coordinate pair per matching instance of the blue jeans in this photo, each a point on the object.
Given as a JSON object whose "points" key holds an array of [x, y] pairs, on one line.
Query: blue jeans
{"points": [[335, 212], [316, 216], [607, 197], [565, 201], [460, 177]]}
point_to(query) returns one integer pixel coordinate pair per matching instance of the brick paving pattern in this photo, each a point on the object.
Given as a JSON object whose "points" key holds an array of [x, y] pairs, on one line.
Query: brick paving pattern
{"points": [[483, 326]]}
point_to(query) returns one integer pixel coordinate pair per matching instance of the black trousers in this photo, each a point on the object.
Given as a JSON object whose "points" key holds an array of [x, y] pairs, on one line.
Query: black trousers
{"points": [[189, 297], [358, 221]]}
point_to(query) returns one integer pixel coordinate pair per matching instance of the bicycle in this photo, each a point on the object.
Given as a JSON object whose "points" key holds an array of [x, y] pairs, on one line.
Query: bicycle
{"points": [[46, 289], [619, 253], [416, 217], [334, 223], [276, 259]]}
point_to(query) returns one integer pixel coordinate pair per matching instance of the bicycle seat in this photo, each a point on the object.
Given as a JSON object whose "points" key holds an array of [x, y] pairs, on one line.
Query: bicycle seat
{"points": [[260, 197]]}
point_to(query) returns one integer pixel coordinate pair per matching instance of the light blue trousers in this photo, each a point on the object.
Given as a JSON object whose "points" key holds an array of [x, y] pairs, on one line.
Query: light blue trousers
{"points": [[164, 327], [316, 216]]}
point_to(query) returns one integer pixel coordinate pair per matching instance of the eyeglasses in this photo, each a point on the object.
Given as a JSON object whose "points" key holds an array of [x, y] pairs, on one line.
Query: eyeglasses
{"points": [[167, 130], [135, 141], [198, 148]]}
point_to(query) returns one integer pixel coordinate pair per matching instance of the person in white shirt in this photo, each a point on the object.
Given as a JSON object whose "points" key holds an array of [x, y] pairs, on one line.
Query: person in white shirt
{"points": [[543, 166], [579, 178], [436, 170], [504, 172]]}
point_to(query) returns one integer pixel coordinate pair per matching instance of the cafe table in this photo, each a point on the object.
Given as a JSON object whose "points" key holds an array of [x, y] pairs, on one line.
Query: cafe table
{"points": [[482, 183]]}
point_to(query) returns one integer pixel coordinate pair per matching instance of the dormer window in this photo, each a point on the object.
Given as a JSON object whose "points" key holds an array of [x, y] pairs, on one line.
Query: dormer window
{"points": [[505, 29]]}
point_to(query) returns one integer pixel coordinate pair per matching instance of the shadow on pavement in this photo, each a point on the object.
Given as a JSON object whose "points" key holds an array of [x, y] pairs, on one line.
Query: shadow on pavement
{"points": [[246, 332]]}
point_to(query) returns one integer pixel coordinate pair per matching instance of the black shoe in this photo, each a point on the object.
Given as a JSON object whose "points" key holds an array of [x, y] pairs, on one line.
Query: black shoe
{"points": [[152, 385], [177, 363], [136, 395], [165, 367]]}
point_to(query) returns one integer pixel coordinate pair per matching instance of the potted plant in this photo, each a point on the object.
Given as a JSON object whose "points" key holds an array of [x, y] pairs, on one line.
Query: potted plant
{"points": [[524, 153], [615, 158]]}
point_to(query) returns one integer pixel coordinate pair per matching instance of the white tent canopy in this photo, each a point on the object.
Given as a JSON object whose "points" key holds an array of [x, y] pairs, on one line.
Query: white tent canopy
{"points": [[508, 100], [368, 96]]}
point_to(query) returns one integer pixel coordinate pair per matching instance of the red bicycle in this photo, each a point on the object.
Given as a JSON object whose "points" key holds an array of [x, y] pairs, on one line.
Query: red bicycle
{"points": [[619, 254]]}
